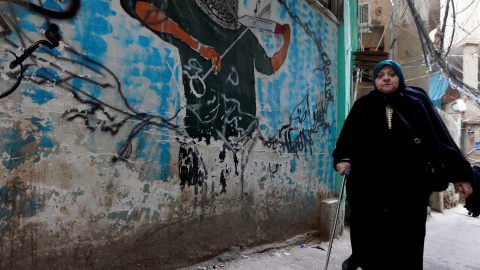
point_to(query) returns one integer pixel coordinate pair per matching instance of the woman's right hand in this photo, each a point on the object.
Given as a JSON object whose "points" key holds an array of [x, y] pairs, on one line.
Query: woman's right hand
{"points": [[342, 166]]}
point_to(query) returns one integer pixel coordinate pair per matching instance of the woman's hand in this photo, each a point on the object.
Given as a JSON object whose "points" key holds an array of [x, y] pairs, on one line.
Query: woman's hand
{"points": [[464, 188], [342, 166]]}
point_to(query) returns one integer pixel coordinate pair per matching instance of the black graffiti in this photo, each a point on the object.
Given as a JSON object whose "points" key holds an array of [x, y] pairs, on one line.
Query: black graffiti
{"points": [[15, 75], [223, 180], [294, 137], [323, 55], [53, 41], [274, 168], [124, 113], [51, 33], [68, 13], [95, 106], [5, 28], [191, 170]]}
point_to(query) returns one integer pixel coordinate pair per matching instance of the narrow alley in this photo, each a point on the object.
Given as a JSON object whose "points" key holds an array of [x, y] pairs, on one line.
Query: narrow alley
{"points": [[452, 243]]}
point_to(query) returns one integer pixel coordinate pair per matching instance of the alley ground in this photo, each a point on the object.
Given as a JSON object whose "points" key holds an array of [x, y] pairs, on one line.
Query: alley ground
{"points": [[452, 242]]}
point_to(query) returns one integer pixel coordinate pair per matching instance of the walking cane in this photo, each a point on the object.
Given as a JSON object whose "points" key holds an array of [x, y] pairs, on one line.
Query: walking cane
{"points": [[345, 174]]}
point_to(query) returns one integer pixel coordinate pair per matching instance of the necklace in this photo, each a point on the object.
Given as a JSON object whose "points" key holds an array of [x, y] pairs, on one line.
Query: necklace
{"points": [[389, 116]]}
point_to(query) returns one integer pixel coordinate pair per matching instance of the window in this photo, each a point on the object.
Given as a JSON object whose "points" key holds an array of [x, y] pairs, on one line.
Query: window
{"points": [[364, 15]]}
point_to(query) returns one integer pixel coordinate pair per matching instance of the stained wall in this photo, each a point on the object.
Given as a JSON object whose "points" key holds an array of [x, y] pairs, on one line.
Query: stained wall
{"points": [[155, 134]]}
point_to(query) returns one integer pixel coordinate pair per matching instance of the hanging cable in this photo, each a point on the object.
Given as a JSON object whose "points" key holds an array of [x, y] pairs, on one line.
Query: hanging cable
{"points": [[434, 57], [473, 1]]}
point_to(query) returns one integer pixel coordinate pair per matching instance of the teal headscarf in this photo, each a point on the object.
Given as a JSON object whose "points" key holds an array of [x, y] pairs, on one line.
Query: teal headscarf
{"points": [[395, 67]]}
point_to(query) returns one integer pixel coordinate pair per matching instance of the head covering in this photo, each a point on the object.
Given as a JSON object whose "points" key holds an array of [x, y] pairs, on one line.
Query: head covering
{"points": [[395, 67], [223, 12]]}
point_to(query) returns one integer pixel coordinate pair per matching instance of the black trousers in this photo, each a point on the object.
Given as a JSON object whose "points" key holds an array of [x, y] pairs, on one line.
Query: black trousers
{"points": [[389, 236]]}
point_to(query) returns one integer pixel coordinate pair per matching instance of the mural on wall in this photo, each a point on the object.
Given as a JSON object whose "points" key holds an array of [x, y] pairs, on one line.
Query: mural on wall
{"points": [[221, 105], [162, 78]]}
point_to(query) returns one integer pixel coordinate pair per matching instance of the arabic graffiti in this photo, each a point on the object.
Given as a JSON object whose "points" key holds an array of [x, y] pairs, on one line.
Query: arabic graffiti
{"points": [[295, 137]]}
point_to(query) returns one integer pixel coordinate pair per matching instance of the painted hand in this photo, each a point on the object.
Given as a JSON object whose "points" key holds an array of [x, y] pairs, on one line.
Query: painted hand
{"points": [[210, 53]]}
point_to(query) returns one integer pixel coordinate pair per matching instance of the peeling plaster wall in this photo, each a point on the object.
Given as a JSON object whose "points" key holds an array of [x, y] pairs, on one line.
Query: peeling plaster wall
{"points": [[118, 151]]}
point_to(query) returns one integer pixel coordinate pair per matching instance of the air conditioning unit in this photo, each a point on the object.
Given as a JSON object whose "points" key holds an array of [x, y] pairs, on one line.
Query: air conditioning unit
{"points": [[364, 15]]}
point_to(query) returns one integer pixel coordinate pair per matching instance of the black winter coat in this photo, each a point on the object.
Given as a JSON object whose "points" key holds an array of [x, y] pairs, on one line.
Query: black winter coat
{"points": [[386, 188], [389, 159]]}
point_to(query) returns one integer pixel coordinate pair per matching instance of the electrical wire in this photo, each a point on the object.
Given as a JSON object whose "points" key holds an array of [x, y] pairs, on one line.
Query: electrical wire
{"points": [[461, 55], [466, 36], [421, 76], [473, 1], [456, 14], [453, 29], [434, 57], [444, 25]]}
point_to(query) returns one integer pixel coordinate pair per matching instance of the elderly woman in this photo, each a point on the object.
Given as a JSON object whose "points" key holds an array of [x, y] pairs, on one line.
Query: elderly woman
{"points": [[386, 189]]}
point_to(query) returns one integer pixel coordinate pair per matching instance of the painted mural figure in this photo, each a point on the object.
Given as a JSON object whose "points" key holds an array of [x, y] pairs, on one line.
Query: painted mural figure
{"points": [[219, 57]]}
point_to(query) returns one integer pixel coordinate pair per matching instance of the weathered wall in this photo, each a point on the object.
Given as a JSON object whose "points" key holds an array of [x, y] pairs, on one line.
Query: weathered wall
{"points": [[121, 148], [453, 125]]}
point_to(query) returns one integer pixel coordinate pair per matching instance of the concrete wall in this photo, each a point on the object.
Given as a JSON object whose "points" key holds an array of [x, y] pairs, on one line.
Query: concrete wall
{"points": [[452, 121], [471, 136], [448, 199], [374, 36], [121, 150], [466, 20]]}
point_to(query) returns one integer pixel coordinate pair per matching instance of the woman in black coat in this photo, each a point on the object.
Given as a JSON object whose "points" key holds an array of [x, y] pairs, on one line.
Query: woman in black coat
{"points": [[386, 189]]}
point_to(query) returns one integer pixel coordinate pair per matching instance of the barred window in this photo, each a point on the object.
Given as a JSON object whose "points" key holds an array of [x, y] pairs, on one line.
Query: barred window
{"points": [[364, 15]]}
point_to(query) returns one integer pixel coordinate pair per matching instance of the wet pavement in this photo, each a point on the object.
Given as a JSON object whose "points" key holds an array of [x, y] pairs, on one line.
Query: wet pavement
{"points": [[452, 242]]}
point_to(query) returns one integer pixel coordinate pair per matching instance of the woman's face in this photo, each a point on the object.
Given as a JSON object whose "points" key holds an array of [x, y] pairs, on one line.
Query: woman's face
{"points": [[387, 80]]}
